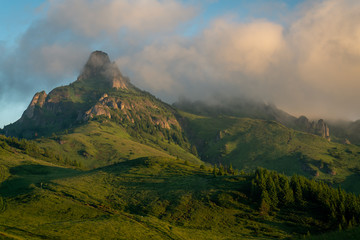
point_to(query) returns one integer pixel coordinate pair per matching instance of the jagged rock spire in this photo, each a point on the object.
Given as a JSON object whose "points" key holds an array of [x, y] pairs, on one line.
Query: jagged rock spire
{"points": [[100, 69]]}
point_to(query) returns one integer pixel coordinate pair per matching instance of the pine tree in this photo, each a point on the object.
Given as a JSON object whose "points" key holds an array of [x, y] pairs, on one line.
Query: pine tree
{"points": [[221, 170], [287, 194], [272, 192], [215, 170], [231, 170], [194, 150], [296, 186], [264, 203]]}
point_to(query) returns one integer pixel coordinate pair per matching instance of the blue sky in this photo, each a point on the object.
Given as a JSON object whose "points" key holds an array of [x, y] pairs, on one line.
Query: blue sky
{"points": [[16, 16], [281, 51]]}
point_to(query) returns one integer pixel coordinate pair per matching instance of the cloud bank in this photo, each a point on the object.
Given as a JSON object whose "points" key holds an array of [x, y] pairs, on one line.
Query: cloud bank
{"points": [[310, 65]]}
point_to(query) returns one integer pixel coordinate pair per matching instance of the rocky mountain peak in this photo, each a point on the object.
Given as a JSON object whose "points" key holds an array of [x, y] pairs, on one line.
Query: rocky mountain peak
{"points": [[100, 70], [38, 100], [97, 61]]}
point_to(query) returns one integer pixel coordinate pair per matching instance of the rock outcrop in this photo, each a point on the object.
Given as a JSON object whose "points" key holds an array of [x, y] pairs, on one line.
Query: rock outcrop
{"points": [[322, 129], [37, 101], [319, 128], [101, 70], [129, 110], [101, 108]]}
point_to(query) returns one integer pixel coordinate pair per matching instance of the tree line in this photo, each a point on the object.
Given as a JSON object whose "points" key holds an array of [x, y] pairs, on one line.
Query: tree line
{"points": [[30, 148], [273, 191]]}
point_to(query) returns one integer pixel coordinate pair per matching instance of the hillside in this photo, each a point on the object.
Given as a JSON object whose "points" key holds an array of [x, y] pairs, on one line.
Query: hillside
{"points": [[352, 233], [153, 198], [248, 143], [103, 142], [100, 158], [246, 108]]}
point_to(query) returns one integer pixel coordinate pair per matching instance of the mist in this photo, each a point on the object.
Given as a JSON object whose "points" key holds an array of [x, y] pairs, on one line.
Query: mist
{"points": [[307, 64]]}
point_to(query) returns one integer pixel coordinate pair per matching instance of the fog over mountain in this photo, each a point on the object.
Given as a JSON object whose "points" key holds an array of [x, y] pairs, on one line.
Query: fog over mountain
{"points": [[306, 61]]}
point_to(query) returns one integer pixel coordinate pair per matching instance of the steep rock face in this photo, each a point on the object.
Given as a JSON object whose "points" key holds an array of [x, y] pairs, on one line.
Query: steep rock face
{"points": [[322, 129], [37, 101], [319, 128], [126, 109], [102, 107], [97, 110], [99, 66]]}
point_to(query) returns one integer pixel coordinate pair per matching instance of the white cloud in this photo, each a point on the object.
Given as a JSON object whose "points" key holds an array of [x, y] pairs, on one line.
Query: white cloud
{"points": [[308, 66], [227, 57], [93, 18], [55, 46], [313, 67], [325, 45], [247, 48]]}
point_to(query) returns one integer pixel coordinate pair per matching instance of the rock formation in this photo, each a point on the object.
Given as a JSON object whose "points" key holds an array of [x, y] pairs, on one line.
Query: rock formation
{"points": [[37, 101], [322, 129], [319, 128], [100, 90], [98, 67]]}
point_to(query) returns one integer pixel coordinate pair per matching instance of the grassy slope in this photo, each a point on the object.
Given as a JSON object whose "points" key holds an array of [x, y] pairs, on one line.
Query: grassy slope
{"points": [[156, 197], [248, 143], [353, 233], [98, 144], [152, 198]]}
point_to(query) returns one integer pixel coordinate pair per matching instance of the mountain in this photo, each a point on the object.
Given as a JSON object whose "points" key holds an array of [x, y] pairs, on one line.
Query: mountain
{"points": [[99, 91], [100, 158], [101, 119], [245, 108], [247, 143], [102, 104]]}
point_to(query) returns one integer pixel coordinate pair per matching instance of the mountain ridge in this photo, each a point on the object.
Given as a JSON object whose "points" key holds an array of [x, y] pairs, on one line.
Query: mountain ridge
{"points": [[239, 107]]}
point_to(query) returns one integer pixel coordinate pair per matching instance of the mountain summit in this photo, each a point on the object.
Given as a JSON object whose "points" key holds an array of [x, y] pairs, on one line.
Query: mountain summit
{"points": [[101, 71], [100, 92]]}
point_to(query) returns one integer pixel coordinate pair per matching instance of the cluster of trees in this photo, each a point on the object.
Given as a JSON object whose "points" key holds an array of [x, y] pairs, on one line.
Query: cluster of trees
{"points": [[273, 191], [30, 148], [221, 170]]}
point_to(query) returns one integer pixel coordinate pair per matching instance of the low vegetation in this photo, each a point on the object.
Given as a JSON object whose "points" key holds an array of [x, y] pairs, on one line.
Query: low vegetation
{"points": [[161, 197]]}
